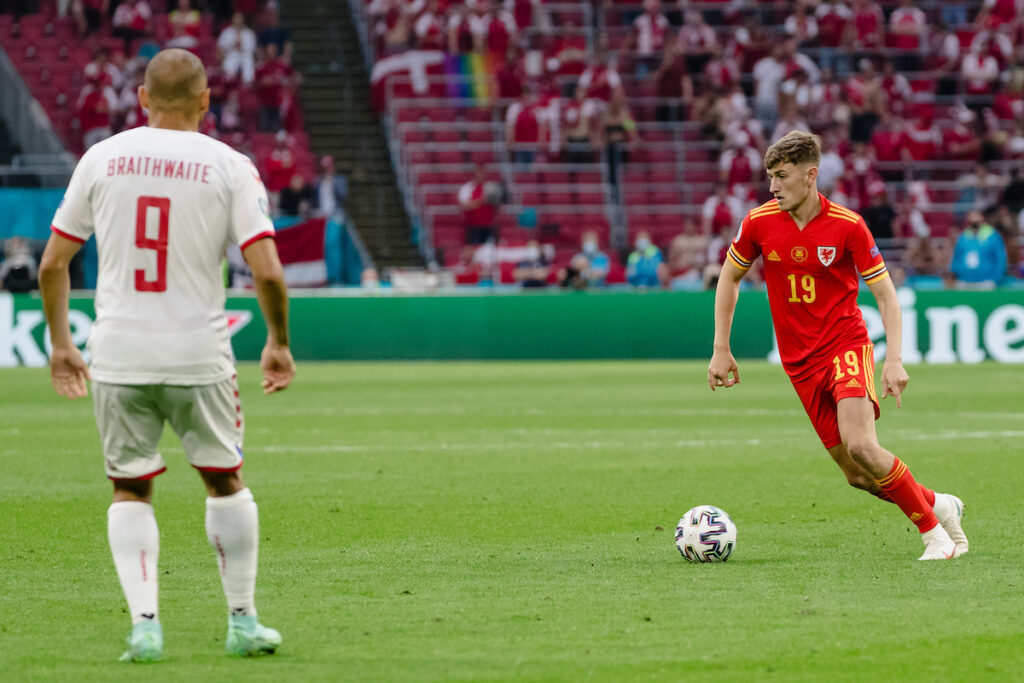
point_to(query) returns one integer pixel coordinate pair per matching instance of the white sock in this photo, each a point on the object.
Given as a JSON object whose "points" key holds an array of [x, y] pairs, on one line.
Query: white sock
{"points": [[232, 526], [135, 545]]}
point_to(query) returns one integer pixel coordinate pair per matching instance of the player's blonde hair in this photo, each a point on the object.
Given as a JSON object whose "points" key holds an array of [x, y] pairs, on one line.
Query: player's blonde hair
{"points": [[795, 147], [175, 79]]}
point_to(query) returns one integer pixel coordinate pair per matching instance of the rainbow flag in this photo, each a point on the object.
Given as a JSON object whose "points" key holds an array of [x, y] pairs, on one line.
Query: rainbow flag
{"points": [[471, 77]]}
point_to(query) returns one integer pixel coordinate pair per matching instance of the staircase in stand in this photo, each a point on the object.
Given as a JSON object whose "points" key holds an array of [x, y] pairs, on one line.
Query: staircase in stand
{"points": [[341, 122]]}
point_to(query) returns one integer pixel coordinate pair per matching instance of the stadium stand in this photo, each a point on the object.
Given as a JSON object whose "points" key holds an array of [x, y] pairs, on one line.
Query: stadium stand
{"points": [[914, 120], [85, 78]]}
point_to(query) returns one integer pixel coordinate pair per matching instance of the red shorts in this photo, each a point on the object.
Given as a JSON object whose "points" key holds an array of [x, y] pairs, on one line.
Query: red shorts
{"points": [[850, 374]]}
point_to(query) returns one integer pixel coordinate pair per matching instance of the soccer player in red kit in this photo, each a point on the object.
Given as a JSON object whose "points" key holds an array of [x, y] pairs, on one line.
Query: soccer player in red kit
{"points": [[813, 252]]}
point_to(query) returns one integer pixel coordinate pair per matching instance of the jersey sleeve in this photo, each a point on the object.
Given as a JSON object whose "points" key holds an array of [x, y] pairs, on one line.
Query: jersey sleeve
{"points": [[866, 257], [744, 249], [74, 219], [250, 208]]}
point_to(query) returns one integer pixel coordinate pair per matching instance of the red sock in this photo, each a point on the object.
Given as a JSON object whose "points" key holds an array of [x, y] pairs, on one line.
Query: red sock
{"points": [[929, 495], [901, 488]]}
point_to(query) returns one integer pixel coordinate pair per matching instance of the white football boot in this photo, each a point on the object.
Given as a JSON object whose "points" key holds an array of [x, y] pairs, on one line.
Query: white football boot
{"points": [[950, 510], [938, 545]]}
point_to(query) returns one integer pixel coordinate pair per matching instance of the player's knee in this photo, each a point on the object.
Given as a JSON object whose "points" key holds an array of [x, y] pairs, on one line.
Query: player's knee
{"points": [[860, 449], [223, 483]]}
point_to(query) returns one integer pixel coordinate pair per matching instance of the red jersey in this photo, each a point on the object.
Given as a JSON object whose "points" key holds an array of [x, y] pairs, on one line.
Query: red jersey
{"points": [[811, 276]]}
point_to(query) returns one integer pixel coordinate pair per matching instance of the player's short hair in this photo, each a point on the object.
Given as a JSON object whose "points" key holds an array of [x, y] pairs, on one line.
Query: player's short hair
{"points": [[795, 147], [175, 79]]}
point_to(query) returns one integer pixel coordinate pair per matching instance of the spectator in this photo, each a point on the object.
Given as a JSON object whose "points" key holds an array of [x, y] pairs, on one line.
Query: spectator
{"points": [[672, 85], [644, 267], [740, 163], [330, 191], [895, 89], [19, 268], [979, 256], [720, 209], [835, 34], [687, 257], [960, 141], [580, 139], [184, 20], [979, 71], [500, 31], [509, 76], [237, 43], [429, 28], [478, 210], [464, 30], [1013, 193], [880, 215], [280, 165], [297, 198], [945, 60], [619, 130], [831, 166], [801, 26], [132, 20], [995, 13], [567, 54], [533, 270], [647, 38], [868, 27], [590, 263], [980, 190], [768, 74], [791, 120], [275, 81], [922, 259], [721, 71], [273, 33], [908, 28], [698, 41], [96, 105], [601, 80], [392, 24], [230, 118], [110, 74], [526, 127], [921, 140], [89, 15]]}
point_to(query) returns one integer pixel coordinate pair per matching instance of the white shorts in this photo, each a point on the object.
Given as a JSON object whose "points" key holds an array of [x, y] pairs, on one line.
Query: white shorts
{"points": [[207, 419]]}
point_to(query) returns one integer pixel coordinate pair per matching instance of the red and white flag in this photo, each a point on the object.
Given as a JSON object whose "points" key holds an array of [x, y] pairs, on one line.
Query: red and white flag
{"points": [[301, 248]]}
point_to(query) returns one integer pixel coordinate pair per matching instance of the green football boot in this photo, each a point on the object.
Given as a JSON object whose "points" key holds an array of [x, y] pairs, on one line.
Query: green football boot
{"points": [[145, 644], [249, 638]]}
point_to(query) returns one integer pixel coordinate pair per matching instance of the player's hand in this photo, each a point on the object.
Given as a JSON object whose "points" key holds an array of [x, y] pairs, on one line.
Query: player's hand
{"points": [[69, 373], [278, 368], [894, 380], [722, 363]]}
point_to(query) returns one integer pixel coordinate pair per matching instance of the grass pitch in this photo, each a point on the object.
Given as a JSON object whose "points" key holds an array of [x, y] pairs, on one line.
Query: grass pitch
{"points": [[496, 521]]}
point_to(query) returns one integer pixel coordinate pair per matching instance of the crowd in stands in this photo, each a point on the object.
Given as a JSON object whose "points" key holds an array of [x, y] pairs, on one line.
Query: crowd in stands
{"points": [[920, 107], [245, 48]]}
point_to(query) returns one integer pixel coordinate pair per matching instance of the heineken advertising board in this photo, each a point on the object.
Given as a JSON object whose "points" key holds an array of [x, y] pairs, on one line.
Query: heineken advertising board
{"points": [[938, 326]]}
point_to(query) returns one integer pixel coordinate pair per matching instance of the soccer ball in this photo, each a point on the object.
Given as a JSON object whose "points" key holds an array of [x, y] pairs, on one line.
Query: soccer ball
{"points": [[706, 534]]}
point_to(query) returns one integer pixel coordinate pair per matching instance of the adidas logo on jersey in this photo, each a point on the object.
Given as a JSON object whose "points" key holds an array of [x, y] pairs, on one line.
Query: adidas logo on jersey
{"points": [[773, 256], [853, 383]]}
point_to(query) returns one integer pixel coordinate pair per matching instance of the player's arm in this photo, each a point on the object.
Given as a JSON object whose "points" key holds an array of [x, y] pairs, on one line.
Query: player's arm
{"points": [[68, 371], [894, 376], [726, 295], [272, 293]]}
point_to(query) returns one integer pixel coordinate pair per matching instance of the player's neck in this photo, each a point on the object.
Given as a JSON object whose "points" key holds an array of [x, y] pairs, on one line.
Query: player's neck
{"points": [[166, 121], [807, 210]]}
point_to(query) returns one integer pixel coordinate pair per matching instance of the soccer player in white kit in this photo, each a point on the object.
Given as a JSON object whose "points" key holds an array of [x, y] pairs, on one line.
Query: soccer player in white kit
{"points": [[164, 202]]}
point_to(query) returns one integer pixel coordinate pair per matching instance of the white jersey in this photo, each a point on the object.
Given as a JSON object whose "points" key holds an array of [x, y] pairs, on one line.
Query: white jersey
{"points": [[164, 205]]}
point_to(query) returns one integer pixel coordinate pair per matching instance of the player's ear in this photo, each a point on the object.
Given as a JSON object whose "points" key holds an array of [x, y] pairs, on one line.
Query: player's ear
{"points": [[204, 103], [812, 174], [143, 97]]}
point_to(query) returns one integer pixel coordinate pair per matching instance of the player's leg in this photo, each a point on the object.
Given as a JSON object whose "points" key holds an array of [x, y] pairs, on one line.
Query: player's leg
{"points": [[856, 418], [130, 427], [208, 420]]}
